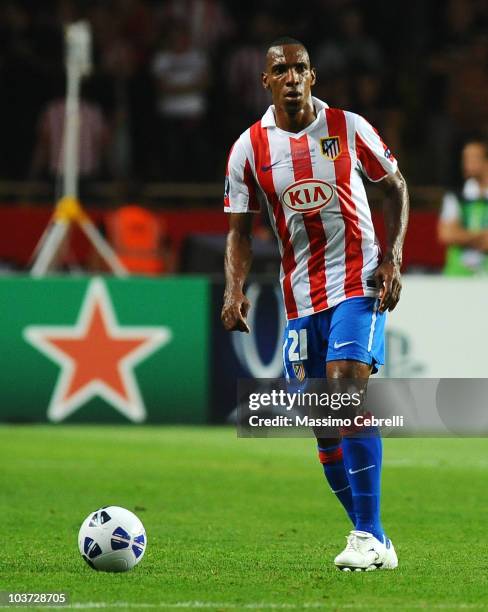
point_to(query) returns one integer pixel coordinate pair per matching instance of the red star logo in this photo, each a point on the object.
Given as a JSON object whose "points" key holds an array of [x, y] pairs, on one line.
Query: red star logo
{"points": [[97, 357]]}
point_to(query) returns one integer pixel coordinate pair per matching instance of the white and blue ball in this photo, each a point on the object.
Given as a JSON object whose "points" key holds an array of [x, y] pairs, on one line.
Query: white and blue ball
{"points": [[112, 539]]}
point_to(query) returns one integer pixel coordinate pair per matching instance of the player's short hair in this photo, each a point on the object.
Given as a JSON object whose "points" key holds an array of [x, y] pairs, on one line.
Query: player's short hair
{"points": [[286, 40]]}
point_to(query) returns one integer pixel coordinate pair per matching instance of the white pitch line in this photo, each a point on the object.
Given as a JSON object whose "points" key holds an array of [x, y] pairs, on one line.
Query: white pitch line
{"points": [[182, 605], [255, 605], [431, 463]]}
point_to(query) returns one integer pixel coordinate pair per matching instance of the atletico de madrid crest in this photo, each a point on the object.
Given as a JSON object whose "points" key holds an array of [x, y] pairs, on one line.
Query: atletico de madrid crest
{"points": [[330, 147], [299, 370]]}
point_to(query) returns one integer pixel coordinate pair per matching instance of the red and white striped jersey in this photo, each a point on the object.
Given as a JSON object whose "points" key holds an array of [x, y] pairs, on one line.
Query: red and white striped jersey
{"points": [[312, 185]]}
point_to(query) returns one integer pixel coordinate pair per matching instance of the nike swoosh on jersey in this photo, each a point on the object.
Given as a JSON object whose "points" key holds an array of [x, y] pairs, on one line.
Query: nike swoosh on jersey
{"points": [[368, 467], [266, 168], [288, 160], [338, 345]]}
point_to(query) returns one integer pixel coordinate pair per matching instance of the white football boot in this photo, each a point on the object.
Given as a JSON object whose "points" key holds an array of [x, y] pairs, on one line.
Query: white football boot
{"points": [[365, 553]]}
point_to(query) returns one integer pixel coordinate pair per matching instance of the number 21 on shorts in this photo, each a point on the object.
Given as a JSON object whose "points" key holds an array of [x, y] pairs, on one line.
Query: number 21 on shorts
{"points": [[297, 350]]}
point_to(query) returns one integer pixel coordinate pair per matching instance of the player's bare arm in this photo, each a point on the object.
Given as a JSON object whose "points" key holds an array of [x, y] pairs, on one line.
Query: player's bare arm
{"points": [[238, 258], [395, 210]]}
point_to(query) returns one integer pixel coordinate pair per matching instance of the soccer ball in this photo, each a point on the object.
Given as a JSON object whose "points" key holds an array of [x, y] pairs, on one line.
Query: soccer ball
{"points": [[112, 539]]}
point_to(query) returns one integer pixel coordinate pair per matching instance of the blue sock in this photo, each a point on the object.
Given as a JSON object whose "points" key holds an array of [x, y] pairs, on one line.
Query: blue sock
{"points": [[335, 472], [362, 460]]}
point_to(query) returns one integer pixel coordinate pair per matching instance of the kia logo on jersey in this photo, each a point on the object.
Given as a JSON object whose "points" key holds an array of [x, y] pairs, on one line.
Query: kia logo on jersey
{"points": [[307, 195]]}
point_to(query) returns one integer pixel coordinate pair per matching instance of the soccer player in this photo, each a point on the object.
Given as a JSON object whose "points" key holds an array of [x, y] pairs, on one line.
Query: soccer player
{"points": [[306, 162]]}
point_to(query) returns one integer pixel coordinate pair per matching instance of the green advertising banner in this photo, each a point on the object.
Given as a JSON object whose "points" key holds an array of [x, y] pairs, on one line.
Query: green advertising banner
{"points": [[104, 350]]}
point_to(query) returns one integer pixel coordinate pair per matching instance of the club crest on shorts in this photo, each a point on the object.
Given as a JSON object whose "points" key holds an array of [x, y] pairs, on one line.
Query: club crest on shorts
{"points": [[330, 147], [299, 370]]}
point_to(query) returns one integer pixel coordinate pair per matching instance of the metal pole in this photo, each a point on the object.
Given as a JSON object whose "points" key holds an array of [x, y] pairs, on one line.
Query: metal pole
{"points": [[103, 247], [52, 243], [68, 208], [71, 133]]}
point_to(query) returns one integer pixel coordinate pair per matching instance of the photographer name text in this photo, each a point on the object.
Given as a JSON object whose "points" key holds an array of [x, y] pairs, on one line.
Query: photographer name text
{"points": [[306, 421]]}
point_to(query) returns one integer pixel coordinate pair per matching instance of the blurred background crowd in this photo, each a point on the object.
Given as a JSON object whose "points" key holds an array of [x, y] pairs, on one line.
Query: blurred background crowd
{"points": [[176, 81]]}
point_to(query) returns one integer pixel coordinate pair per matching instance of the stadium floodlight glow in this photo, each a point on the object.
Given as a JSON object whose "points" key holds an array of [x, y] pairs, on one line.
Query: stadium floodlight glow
{"points": [[68, 208]]}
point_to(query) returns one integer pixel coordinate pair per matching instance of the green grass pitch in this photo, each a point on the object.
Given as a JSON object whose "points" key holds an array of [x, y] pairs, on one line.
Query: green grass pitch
{"points": [[238, 524]]}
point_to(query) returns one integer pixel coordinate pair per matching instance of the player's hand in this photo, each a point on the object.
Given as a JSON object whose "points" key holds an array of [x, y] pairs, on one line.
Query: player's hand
{"points": [[389, 280], [234, 312]]}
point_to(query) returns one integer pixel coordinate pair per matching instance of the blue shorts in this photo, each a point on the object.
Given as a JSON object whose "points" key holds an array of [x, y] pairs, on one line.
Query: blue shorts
{"points": [[352, 330]]}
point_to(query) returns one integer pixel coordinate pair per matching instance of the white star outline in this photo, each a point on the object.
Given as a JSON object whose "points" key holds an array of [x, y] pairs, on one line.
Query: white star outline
{"points": [[156, 337]]}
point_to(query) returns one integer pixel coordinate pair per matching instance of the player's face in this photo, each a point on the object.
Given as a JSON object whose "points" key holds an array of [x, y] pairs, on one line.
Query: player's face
{"points": [[289, 77], [474, 160]]}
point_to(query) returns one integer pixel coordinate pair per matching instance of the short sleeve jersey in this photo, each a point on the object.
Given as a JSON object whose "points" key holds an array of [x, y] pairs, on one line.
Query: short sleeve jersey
{"points": [[312, 185]]}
